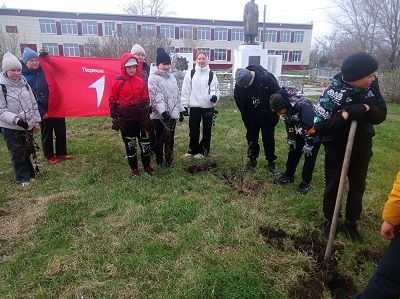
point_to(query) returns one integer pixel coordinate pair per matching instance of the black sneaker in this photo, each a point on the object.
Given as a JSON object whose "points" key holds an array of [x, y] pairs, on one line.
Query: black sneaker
{"points": [[342, 294], [284, 179], [251, 163], [303, 187], [350, 227], [272, 168]]}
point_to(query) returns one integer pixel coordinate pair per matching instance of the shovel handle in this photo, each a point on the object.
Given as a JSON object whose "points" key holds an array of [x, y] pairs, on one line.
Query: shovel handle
{"points": [[342, 182]]}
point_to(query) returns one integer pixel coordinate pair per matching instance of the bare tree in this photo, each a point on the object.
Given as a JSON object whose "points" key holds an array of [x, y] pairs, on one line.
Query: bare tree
{"points": [[388, 19], [155, 8], [355, 18], [372, 26], [9, 42], [115, 46], [330, 50]]}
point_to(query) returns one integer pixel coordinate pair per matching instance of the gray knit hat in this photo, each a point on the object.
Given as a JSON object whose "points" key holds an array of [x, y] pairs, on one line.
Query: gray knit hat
{"points": [[10, 62], [137, 49], [243, 77]]}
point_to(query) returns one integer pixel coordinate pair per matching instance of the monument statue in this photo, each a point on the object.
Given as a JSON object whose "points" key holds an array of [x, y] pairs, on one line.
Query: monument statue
{"points": [[250, 22]]}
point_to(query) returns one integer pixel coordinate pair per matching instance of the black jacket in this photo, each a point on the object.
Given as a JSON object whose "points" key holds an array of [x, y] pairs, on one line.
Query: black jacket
{"points": [[299, 118], [266, 85], [329, 123]]}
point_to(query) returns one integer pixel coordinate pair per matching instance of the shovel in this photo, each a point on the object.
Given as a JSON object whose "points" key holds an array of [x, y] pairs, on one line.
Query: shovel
{"points": [[342, 182]]}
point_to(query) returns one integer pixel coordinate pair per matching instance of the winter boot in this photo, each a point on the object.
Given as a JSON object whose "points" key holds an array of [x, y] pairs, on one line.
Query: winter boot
{"points": [[350, 228], [272, 168], [303, 188], [250, 164], [284, 179]]}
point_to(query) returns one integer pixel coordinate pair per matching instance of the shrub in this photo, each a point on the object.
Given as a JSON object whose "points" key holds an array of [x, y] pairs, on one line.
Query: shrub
{"points": [[389, 82]]}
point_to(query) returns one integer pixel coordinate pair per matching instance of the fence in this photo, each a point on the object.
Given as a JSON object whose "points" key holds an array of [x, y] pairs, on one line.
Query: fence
{"points": [[227, 84]]}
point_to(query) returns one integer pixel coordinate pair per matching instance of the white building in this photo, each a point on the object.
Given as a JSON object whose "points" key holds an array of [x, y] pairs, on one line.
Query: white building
{"points": [[66, 33]]}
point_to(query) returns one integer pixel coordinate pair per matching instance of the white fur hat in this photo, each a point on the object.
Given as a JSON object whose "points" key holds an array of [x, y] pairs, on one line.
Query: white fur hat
{"points": [[137, 49], [10, 62]]}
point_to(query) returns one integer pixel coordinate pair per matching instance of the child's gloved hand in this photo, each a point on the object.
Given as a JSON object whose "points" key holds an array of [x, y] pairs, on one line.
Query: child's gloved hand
{"points": [[166, 116], [291, 144], [356, 111], [22, 124]]}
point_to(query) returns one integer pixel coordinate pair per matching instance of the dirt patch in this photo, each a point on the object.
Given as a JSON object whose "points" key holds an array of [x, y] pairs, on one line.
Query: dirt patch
{"points": [[364, 256], [242, 183], [323, 275], [202, 166]]}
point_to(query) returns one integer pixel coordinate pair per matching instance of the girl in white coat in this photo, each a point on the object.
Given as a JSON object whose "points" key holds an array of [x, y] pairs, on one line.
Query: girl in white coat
{"points": [[19, 118], [166, 107], [200, 95]]}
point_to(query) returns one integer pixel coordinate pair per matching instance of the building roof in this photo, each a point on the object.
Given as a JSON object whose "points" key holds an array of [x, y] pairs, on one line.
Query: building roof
{"points": [[137, 18]]}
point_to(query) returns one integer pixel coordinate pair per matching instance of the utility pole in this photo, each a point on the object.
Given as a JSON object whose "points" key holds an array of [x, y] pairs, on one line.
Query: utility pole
{"points": [[263, 31]]}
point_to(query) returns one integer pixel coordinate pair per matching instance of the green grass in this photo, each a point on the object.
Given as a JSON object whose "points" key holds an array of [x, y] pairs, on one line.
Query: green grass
{"points": [[85, 229]]}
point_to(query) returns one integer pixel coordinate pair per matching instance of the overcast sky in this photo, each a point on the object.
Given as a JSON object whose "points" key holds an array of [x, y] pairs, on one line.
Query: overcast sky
{"points": [[285, 11]]}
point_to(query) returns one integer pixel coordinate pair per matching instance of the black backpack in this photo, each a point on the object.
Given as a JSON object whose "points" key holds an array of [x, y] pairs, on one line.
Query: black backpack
{"points": [[4, 88], [210, 76]]}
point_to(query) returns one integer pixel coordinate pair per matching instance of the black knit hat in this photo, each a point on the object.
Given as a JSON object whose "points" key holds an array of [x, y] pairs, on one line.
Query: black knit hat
{"points": [[162, 57], [159, 50], [358, 66], [279, 100]]}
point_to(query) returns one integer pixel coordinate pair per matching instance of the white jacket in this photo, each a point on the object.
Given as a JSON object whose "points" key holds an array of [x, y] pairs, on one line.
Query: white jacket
{"points": [[163, 94], [20, 103], [196, 92]]}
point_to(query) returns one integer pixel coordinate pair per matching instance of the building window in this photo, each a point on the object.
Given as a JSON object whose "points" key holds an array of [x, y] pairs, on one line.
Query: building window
{"points": [[170, 50], [47, 26], [89, 28], [11, 29], [298, 37], [71, 50], [285, 55], [149, 29], [185, 32], [285, 36], [296, 56], [69, 27], [128, 29], [270, 36], [51, 48], [271, 52], [167, 31], [203, 33], [205, 50], [221, 34], [88, 49], [237, 35], [109, 28], [220, 54], [185, 50]]}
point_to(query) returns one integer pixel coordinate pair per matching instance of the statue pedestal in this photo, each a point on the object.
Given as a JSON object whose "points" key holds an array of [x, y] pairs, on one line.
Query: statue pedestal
{"points": [[255, 54]]}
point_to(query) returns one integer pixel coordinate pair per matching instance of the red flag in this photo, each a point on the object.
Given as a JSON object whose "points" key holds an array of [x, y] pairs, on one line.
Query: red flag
{"points": [[79, 86]]}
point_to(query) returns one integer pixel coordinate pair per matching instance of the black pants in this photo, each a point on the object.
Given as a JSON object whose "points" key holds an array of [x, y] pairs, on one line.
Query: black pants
{"points": [[357, 174], [131, 132], [294, 157], [21, 162], [196, 115], [164, 142], [385, 283], [47, 127], [253, 126]]}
